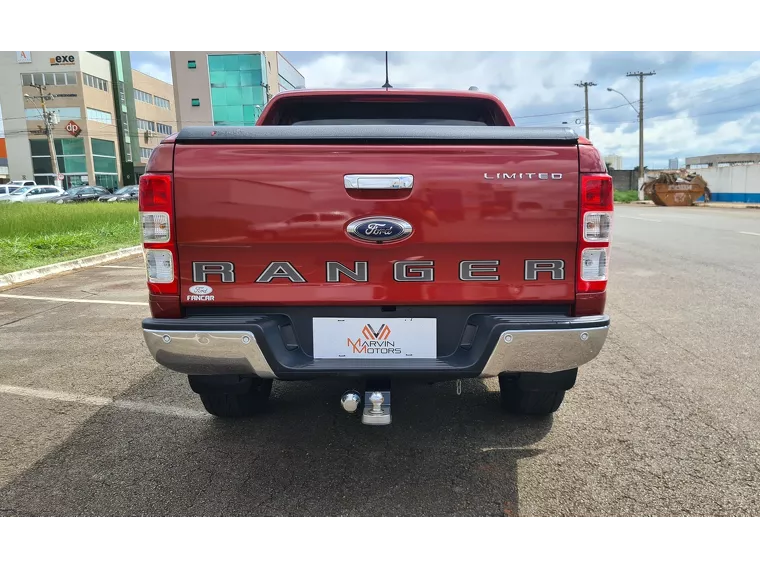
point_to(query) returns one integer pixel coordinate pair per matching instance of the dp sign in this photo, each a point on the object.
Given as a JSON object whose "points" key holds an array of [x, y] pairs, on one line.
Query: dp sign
{"points": [[73, 128]]}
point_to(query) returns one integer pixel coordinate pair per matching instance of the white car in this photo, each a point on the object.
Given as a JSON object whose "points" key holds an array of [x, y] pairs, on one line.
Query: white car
{"points": [[7, 188], [35, 194]]}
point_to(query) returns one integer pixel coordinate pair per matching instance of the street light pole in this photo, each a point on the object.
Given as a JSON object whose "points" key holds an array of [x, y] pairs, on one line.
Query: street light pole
{"points": [[641, 76]]}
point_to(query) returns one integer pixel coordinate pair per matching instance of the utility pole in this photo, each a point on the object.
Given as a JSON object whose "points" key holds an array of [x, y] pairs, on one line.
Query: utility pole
{"points": [[49, 119], [641, 76], [586, 85]]}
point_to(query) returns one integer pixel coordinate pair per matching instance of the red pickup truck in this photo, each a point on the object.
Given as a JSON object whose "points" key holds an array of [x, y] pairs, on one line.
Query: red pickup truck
{"points": [[376, 236]]}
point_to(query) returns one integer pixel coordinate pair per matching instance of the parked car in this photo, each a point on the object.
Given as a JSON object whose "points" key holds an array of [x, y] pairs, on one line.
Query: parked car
{"points": [[126, 193], [22, 183], [6, 189], [35, 194], [83, 193], [459, 288]]}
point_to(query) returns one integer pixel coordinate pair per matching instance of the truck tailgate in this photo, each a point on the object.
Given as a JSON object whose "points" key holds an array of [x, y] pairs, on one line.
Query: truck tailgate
{"points": [[255, 204]]}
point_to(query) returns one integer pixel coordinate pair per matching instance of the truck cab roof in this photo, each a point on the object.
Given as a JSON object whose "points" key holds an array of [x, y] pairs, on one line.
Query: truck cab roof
{"points": [[384, 106]]}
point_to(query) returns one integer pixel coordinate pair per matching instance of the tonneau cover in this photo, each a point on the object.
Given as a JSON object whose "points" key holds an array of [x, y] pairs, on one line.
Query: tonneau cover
{"points": [[377, 134]]}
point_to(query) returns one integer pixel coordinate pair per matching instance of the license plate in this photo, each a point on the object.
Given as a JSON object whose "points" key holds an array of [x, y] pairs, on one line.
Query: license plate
{"points": [[374, 338]]}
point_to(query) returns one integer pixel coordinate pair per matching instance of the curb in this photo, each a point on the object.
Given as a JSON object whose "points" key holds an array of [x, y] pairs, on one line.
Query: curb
{"points": [[41, 272], [727, 205], [713, 205]]}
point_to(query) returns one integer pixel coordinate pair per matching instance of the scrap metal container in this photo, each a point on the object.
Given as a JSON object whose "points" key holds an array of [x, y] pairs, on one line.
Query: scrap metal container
{"points": [[676, 189]]}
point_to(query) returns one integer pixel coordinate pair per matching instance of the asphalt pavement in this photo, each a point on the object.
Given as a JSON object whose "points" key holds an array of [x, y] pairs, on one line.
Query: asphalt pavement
{"points": [[663, 422]]}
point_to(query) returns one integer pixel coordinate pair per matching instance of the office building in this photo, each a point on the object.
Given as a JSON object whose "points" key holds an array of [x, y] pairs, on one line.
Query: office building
{"points": [[96, 105], [224, 88], [145, 112]]}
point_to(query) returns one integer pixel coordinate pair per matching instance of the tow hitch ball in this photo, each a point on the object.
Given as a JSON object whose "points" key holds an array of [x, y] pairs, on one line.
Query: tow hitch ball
{"points": [[350, 401], [377, 406]]}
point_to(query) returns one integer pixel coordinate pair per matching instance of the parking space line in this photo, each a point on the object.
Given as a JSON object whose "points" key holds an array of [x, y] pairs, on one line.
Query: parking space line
{"points": [[76, 300], [638, 218], [121, 267], [103, 401], [750, 233]]}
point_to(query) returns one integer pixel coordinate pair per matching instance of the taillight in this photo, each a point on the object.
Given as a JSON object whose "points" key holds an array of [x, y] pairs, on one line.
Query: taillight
{"points": [[157, 226], [595, 232]]}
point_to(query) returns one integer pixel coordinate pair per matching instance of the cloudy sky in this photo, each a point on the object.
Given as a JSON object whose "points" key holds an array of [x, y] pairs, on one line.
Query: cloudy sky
{"points": [[697, 103]]}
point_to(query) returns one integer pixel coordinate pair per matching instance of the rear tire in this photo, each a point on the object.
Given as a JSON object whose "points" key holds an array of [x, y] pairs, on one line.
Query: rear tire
{"points": [[236, 402], [517, 398]]}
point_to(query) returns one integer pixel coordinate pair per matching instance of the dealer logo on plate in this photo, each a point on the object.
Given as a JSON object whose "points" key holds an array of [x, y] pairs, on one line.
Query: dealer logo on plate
{"points": [[200, 293]]}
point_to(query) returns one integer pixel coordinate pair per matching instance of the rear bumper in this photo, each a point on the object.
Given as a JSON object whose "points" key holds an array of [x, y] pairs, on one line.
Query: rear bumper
{"points": [[256, 344]]}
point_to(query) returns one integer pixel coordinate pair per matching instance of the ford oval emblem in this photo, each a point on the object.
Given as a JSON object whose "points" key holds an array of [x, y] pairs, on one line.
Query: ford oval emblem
{"points": [[379, 229], [200, 289]]}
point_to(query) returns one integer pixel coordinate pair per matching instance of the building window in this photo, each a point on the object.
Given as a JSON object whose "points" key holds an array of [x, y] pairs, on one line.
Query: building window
{"points": [[237, 90], [128, 151], [146, 124], [104, 160], [108, 181], [57, 79], [164, 128], [143, 96], [195, 102], [94, 82], [99, 116], [68, 113], [163, 103], [191, 64], [145, 153], [70, 153]]}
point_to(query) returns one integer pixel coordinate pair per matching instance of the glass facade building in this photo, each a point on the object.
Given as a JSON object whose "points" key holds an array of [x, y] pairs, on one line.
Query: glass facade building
{"points": [[72, 162], [288, 77], [228, 88], [124, 105], [238, 88]]}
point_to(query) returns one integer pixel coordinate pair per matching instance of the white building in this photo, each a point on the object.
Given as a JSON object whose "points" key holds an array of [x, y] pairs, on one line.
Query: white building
{"points": [[615, 161]]}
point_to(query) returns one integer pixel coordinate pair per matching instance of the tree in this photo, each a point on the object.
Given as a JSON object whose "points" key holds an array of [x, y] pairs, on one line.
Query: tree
{"points": [[636, 169]]}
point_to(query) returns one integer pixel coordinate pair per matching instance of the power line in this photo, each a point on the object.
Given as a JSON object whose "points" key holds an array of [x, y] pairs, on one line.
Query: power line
{"points": [[690, 93], [567, 112]]}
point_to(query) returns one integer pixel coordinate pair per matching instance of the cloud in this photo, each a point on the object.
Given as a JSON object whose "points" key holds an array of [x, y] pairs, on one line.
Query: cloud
{"points": [[697, 103], [154, 63]]}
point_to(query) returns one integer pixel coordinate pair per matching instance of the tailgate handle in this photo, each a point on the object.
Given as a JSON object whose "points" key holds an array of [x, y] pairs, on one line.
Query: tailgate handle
{"points": [[378, 181]]}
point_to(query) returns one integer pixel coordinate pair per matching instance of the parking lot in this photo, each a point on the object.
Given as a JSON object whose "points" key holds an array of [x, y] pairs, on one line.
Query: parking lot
{"points": [[663, 422]]}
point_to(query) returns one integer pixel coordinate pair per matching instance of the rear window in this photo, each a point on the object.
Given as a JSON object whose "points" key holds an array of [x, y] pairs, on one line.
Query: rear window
{"points": [[443, 111]]}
